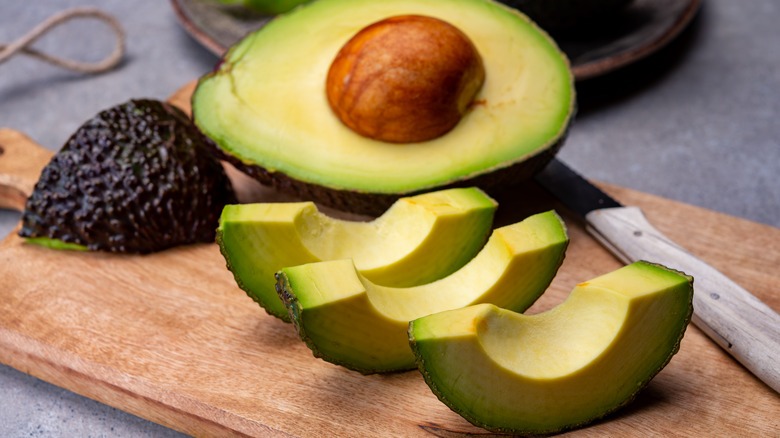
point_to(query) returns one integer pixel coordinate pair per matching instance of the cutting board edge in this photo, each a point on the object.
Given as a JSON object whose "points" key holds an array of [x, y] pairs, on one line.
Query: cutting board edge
{"points": [[148, 404], [135, 396]]}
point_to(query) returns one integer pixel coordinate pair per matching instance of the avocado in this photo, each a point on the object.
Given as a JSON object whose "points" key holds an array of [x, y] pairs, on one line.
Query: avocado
{"points": [[267, 105], [561, 369], [395, 249], [568, 16], [138, 177], [346, 319], [268, 7]]}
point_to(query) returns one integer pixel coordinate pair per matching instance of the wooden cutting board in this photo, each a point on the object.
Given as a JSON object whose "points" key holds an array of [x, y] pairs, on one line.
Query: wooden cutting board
{"points": [[171, 338]]}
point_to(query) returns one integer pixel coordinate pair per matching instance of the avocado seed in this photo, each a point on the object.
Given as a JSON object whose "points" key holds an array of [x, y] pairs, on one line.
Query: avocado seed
{"points": [[405, 79]]}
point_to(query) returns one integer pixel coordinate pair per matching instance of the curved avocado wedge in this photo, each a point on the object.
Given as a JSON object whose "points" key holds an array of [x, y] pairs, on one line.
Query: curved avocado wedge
{"points": [[394, 249], [544, 373], [347, 320], [265, 106]]}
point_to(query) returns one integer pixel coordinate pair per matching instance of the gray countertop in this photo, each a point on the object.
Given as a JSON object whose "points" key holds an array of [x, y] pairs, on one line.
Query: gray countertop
{"points": [[696, 122]]}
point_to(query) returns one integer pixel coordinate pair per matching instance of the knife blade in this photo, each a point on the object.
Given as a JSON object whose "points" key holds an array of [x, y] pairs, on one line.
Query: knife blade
{"points": [[731, 316]]}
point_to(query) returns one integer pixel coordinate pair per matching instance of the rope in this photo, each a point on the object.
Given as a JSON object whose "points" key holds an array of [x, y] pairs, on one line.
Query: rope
{"points": [[22, 44]]}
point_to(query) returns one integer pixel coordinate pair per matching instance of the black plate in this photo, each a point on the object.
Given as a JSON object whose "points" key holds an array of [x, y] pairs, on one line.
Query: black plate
{"points": [[639, 30]]}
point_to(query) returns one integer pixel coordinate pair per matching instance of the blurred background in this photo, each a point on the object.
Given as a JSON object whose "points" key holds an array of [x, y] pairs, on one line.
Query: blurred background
{"points": [[695, 122]]}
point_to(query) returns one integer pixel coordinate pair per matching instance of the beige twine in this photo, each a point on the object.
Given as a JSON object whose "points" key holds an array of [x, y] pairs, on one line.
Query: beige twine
{"points": [[22, 44]]}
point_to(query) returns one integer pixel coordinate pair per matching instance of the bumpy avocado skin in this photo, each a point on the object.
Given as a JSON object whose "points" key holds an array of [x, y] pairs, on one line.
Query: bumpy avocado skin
{"points": [[137, 178]]}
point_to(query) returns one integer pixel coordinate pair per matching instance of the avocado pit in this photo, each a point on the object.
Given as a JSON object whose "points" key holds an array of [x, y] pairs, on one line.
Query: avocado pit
{"points": [[405, 79]]}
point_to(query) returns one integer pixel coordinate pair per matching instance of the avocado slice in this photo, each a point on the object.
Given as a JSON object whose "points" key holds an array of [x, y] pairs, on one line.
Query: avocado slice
{"points": [[265, 106], [545, 373], [394, 249], [348, 320]]}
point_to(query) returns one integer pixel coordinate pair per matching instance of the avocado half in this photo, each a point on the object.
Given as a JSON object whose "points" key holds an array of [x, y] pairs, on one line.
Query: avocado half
{"points": [[419, 239], [265, 106], [557, 370], [350, 321]]}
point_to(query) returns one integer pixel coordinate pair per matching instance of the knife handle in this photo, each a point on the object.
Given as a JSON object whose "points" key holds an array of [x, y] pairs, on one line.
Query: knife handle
{"points": [[739, 322]]}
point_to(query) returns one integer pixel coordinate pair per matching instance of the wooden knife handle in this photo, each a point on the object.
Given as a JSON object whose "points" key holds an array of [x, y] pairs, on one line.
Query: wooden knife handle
{"points": [[21, 162], [738, 321]]}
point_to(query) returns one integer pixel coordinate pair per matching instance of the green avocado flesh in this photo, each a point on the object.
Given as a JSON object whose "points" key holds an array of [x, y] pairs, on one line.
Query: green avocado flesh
{"points": [[419, 239], [265, 105], [563, 368], [348, 320], [55, 243], [273, 6], [136, 178]]}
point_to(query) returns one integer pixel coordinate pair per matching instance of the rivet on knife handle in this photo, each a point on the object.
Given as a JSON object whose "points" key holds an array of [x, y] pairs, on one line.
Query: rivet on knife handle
{"points": [[738, 321]]}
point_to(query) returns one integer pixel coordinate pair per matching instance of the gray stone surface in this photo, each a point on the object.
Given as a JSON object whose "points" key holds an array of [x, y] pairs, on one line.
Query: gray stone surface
{"points": [[696, 122]]}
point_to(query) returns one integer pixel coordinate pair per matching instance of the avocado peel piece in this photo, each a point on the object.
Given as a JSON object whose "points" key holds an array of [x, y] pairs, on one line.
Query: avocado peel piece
{"points": [[393, 249], [271, 118], [138, 177], [349, 321], [561, 369]]}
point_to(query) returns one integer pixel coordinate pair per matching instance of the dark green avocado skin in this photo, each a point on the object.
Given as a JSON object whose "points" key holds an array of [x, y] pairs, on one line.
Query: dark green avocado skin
{"points": [[137, 178], [374, 204]]}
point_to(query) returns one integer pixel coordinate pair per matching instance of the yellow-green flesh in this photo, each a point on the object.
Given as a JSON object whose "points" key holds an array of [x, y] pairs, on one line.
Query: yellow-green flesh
{"points": [[395, 249], [271, 6], [348, 320], [55, 243], [556, 370], [266, 103]]}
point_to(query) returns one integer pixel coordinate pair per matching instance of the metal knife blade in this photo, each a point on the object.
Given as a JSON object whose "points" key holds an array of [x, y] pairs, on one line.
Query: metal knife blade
{"points": [[735, 319]]}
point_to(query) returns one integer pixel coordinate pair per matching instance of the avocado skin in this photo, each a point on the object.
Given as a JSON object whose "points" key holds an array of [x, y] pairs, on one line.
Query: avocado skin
{"points": [[376, 203], [137, 178]]}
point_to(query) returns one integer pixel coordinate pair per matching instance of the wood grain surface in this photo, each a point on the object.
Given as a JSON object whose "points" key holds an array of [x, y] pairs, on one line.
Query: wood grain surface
{"points": [[171, 338]]}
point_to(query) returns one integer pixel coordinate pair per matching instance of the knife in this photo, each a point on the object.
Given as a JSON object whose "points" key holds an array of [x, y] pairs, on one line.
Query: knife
{"points": [[736, 320]]}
